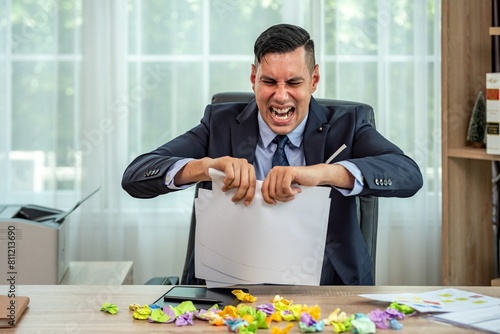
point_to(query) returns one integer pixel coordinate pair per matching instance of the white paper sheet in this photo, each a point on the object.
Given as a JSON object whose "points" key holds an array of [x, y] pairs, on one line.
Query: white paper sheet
{"points": [[486, 319], [261, 243], [444, 300]]}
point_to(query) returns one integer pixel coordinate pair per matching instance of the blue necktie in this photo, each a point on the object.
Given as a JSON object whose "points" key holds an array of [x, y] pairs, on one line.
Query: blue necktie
{"points": [[279, 158]]}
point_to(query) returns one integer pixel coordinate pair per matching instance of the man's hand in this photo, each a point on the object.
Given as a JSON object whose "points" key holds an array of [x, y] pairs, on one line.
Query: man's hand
{"points": [[239, 174], [281, 184]]}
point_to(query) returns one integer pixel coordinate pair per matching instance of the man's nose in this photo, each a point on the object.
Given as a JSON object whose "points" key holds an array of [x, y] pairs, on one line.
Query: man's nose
{"points": [[281, 93]]}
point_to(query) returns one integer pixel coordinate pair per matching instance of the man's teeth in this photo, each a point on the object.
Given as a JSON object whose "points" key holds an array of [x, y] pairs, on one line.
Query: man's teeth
{"points": [[282, 113]]}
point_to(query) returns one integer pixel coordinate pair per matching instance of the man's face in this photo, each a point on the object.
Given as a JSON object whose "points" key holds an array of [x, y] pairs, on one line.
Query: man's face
{"points": [[283, 87]]}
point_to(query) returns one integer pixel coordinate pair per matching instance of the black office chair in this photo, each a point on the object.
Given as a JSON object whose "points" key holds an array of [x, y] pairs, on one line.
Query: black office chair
{"points": [[367, 205]]}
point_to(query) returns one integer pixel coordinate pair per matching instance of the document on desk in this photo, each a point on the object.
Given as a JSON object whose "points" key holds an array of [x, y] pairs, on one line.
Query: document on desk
{"points": [[486, 319], [443, 300], [260, 243]]}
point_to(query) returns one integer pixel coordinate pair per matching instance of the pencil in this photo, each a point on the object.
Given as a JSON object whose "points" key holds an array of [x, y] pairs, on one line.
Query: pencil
{"points": [[337, 152]]}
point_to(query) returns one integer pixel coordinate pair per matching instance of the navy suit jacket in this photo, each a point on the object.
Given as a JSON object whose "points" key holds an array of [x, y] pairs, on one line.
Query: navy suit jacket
{"points": [[231, 129]]}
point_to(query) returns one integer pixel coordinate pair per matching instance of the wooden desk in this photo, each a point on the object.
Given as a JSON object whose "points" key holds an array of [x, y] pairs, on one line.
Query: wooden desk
{"points": [[98, 273], [72, 308]]}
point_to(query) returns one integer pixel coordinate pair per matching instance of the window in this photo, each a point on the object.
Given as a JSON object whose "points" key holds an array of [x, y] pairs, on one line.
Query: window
{"points": [[88, 86]]}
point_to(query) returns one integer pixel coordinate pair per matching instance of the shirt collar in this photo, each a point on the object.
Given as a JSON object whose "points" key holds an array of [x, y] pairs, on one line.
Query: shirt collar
{"points": [[267, 135]]}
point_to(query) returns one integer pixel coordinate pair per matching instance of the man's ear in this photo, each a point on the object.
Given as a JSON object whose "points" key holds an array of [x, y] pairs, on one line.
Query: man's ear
{"points": [[315, 78], [253, 75]]}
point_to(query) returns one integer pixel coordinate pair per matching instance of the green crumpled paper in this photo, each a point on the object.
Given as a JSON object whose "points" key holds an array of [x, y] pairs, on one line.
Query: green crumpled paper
{"points": [[158, 315], [110, 308], [402, 308], [363, 325], [184, 307]]}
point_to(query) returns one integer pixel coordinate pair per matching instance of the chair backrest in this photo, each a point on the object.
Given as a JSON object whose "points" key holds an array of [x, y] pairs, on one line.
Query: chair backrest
{"points": [[367, 206]]}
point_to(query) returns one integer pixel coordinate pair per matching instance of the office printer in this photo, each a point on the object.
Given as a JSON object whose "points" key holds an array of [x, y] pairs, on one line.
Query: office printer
{"points": [[33, 243]]}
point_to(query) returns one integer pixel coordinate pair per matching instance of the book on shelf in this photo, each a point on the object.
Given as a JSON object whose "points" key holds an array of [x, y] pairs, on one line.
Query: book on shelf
{"points": [[493, 113], [12, 308]]}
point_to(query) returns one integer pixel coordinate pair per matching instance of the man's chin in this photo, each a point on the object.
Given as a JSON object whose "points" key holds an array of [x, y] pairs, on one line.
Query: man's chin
{"points": [[282, 130]]}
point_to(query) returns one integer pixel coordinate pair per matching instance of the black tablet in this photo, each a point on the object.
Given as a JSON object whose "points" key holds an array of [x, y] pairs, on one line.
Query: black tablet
{"points": [[202, 297]]}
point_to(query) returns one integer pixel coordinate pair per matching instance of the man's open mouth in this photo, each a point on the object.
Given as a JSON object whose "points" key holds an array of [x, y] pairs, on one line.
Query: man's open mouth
{"points": [[282, 114]]}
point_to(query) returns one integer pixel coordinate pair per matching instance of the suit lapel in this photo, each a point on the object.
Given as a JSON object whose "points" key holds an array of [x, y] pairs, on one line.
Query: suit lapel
{"points": [[315, 134], [245, 134]]}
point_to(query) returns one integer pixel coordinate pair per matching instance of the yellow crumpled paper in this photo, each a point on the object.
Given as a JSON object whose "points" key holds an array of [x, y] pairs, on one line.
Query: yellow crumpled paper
{"points": [[244, 296], [142, 313]]}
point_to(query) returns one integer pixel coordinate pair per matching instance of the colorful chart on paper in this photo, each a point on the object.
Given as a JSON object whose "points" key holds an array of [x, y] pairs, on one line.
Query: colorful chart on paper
{"points": [[445, 300]]}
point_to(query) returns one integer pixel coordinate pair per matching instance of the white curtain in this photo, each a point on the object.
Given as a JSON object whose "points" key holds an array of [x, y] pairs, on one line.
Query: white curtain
{"points": [[86, 86], [102, 130]]}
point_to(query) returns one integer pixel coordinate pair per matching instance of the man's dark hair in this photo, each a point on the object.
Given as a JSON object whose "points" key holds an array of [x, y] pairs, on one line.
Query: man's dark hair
{"points": [[284, 38]]}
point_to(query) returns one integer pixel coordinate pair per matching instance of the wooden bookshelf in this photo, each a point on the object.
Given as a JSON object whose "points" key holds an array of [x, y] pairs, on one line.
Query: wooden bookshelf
{"points": [[472, 153], [467, 240]]}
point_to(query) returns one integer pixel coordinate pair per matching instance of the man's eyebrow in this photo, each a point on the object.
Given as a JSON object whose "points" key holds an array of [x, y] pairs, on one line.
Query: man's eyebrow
{"points": [[295, 79], [265, 77]]}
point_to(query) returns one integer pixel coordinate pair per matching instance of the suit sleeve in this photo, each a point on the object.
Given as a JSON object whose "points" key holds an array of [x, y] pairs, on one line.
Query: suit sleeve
{"points": [[145, 175], [386, 170]]}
